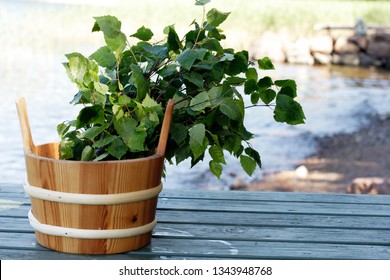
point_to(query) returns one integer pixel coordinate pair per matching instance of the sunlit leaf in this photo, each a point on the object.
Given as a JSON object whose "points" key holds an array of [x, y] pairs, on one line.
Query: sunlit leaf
{"points": [[248, 164], [197, 133], [104, 57], [88, 154], [215, 168], [215, 17], [265, 63], [216, 154], [229, 108]]}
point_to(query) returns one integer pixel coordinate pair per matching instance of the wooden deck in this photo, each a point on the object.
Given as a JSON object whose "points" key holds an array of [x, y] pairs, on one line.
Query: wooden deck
{"points": [[232, 225]]}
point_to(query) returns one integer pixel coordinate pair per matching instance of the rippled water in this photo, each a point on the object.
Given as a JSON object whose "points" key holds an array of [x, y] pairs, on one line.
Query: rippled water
{"points": [[335, 99]]}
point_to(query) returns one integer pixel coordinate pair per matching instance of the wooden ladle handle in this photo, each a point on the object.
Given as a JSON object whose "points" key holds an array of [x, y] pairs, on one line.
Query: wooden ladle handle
{"points": [[162, 143], [28, 143]]}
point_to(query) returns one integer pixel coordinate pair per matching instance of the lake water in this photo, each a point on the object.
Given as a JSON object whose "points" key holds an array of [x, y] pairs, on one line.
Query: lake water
{"points": [[33, 42]]}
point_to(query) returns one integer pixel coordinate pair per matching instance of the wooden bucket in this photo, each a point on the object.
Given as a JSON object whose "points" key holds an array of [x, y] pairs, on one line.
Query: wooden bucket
{"points": [[83, 207]]}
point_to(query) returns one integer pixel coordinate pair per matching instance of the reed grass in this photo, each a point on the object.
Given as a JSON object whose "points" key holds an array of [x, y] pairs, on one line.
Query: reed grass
{"points": [[248, 19]]}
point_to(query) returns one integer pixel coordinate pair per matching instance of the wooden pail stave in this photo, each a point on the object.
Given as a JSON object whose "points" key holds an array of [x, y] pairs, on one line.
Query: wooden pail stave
{"points": [[91, 207]]}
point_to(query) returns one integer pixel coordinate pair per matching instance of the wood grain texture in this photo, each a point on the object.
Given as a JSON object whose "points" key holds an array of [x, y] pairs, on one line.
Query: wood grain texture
{"points": [[93, 178], [45, 170]]}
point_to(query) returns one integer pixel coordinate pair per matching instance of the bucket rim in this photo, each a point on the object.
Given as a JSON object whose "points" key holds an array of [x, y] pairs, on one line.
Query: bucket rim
{"points": [[67, 161]]}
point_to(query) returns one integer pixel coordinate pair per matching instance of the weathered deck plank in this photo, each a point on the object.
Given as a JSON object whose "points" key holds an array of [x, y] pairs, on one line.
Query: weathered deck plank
{"points": [[168, 247], [232, 225]]}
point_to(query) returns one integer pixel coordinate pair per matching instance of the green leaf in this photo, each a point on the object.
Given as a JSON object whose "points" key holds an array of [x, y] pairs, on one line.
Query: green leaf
{"points": [[265, 82], [160, 51], [288, 110], [125, 127], [265, 64], [201, 2], [227, 57], [77, 99], [194, 78], [81, 70], [197, 148], [239, 64], [229, 108], [251, 74], [101, 157], [173, 40], [92, 132], [212, 45], [66, 149], [143, 33], [117, 148], [90, 115], [235, 80], [140, 81], [216, 154], [151, 105], [216, 34], [197, 133], [178, 132], [104, 57], [109, 25], [169, 70], [200, 101], [63, 128], [216, 168], [232, 143], [254, 154], [288, 87], [182, 154], [248, 164], [187, 58], [250, 86], [267, 96], [102, 89], [215, 17], [88, 153], [137, 141], [111, 28], [215, 96], [255, 96], [104, 142]]}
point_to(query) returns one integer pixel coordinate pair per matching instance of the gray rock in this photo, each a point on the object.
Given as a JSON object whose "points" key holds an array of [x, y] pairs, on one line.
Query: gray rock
{"points": [[379, 49], [321, 44], [351, 59], [344, 46]]}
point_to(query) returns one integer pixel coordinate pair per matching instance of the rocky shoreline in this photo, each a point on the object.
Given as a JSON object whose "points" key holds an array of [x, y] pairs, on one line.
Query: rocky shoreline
{"points": [[358, 46], [340, 159]]}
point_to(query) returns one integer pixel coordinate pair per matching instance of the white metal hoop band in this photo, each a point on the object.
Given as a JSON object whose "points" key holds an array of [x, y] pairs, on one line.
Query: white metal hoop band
{"points": [[91, 199], [89, 233]]}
